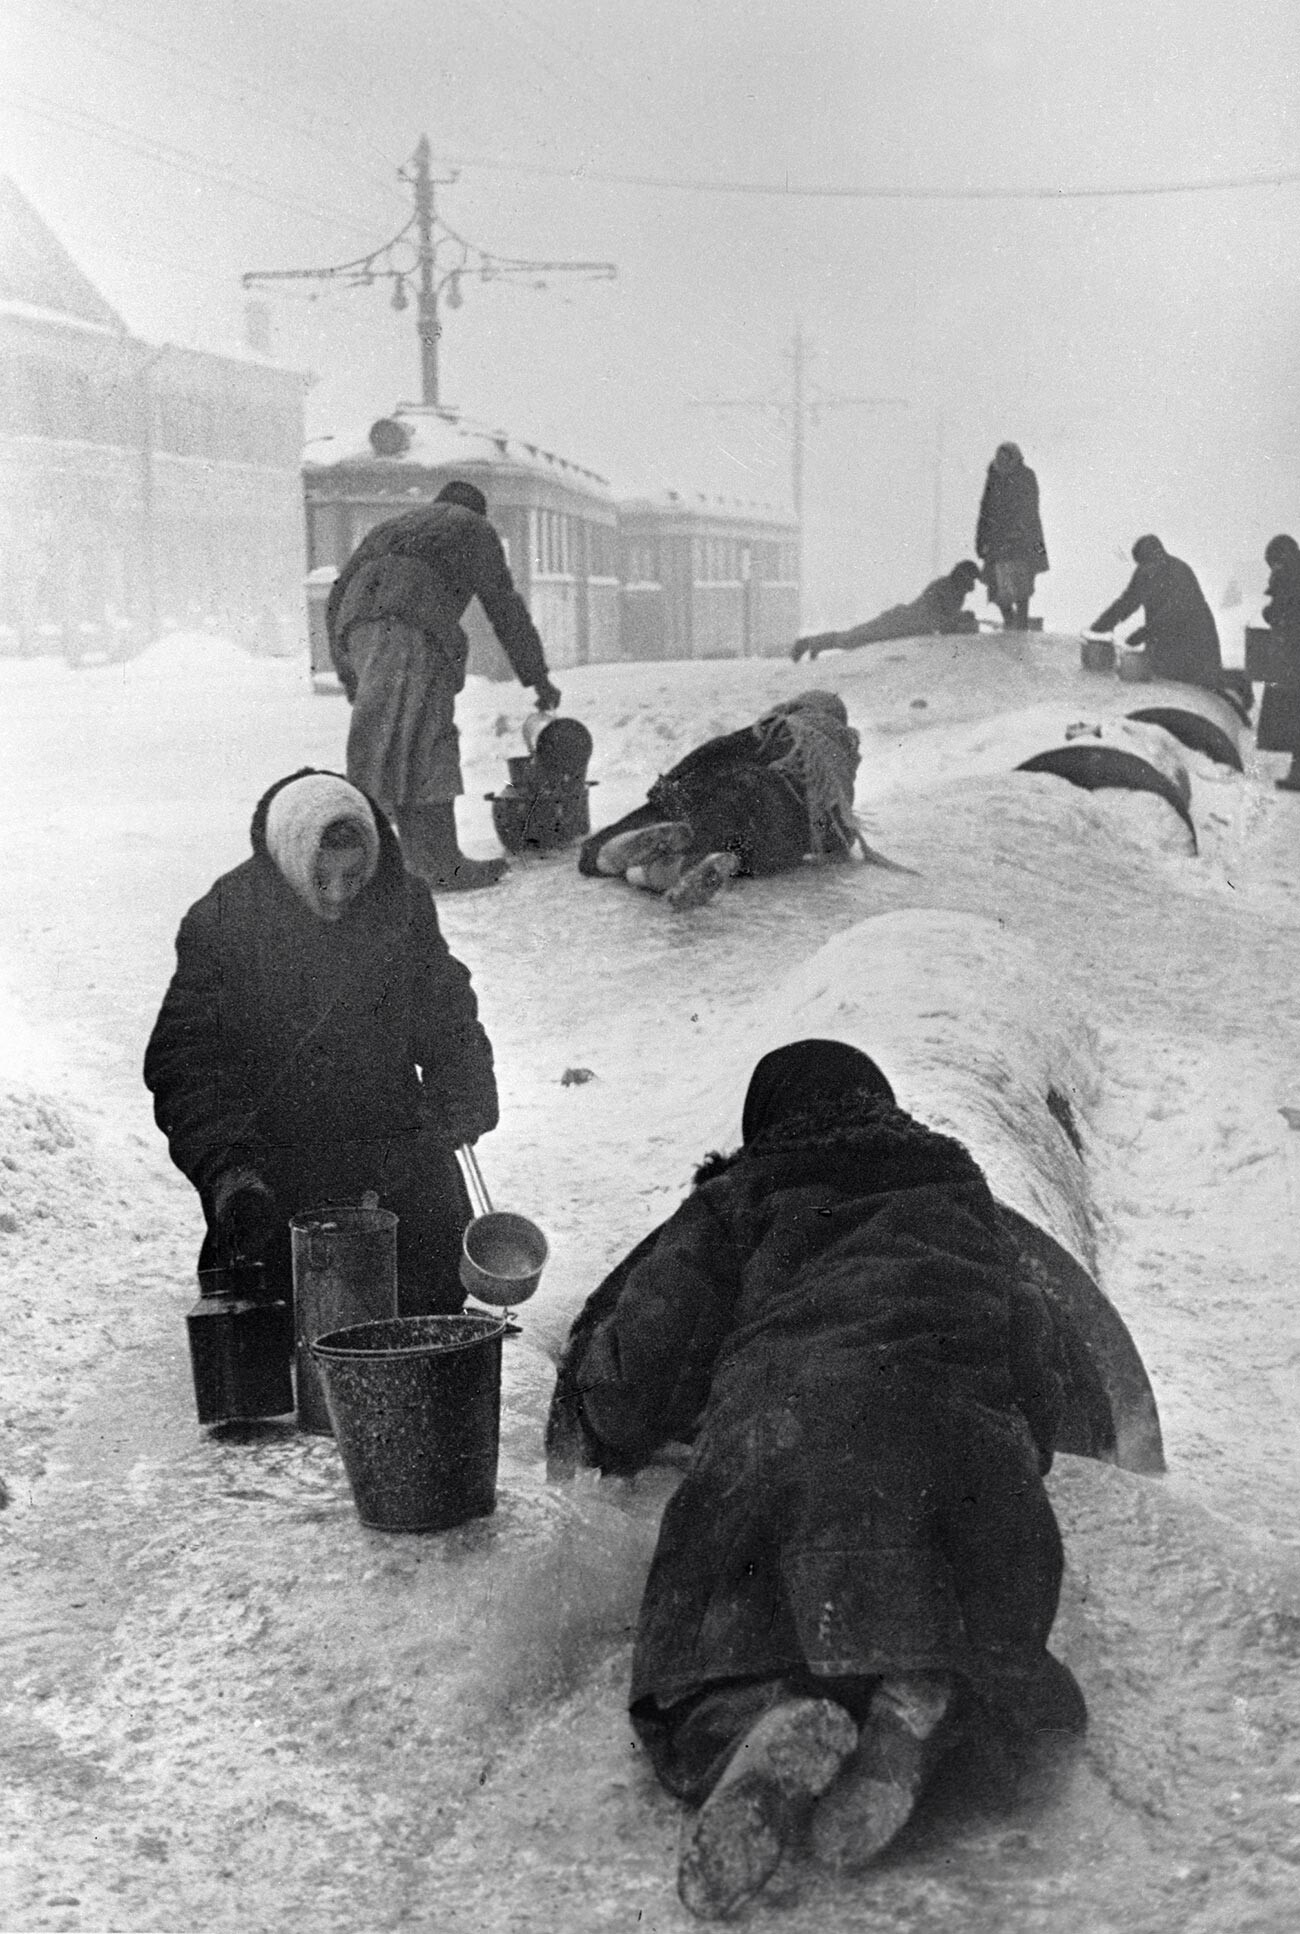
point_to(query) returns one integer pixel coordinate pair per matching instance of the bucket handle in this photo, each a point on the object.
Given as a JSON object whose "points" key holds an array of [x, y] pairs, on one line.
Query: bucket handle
{"points": [[480, 1200]]}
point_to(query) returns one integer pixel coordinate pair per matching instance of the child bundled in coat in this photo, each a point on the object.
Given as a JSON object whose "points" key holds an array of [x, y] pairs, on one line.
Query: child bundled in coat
{"points": [[862, 1558], [318, 1042]]}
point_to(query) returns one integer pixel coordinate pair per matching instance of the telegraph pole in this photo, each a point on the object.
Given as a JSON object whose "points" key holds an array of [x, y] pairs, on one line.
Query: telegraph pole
{"points": [[802, 408], [432, 257], [426, 313]]}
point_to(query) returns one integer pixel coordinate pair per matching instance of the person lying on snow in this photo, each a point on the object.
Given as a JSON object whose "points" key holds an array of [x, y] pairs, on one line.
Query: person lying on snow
{"points": [[936, 612], [319, 1041], [861, 1563], [753, 802]]}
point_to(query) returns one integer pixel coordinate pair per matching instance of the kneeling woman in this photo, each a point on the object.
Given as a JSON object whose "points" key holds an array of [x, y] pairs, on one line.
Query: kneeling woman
{"points": [[318, 1041], [862, 1560], [753, 802]]}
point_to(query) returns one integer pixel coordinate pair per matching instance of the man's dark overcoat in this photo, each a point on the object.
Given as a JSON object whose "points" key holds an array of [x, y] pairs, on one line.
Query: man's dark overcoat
{"points": [[327, 1058], [832, 1318], [1178, 628], [1010, 525]]}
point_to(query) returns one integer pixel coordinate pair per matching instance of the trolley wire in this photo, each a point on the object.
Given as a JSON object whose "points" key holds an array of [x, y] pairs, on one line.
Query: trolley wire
{"points": [[184, 58]]}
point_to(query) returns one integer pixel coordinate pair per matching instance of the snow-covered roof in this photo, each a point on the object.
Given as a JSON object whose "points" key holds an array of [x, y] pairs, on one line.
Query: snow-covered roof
{"points": [[38, 278], [700, 503], [422, 437]]}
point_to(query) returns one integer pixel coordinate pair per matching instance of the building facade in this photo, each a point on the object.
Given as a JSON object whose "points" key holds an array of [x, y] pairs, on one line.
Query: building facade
{"points": [[143, 488]]}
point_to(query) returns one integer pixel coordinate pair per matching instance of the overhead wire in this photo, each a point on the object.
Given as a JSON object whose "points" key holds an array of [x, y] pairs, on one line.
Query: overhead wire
{"points": [[788, 190], [187, 60], [166, 155]]}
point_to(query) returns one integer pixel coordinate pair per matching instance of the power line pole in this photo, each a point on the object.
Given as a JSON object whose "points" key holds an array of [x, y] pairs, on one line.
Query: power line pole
{"points": [[429, 254], [426, 313], [804, 406]]}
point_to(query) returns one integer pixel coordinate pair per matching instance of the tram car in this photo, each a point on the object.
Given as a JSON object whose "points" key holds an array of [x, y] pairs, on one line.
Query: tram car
{"points": [[557, 521], [674, 576], [706, 577]]}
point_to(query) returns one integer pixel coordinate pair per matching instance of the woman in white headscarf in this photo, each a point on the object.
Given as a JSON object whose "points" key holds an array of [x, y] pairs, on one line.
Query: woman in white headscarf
{"points": [[318, 1041]]}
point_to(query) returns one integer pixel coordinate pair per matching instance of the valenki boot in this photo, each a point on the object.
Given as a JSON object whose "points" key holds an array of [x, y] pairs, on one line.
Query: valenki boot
{"points": [[730, 1849], [431, 850], [909, 1726]]}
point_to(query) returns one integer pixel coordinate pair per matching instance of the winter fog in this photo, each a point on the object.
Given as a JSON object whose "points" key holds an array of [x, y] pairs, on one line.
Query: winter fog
{"points": [[227, 1704]]}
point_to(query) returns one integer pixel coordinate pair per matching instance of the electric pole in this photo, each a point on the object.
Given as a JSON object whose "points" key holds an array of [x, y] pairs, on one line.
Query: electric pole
{"points": [[802, 408], [431, 256], [426, 312]]}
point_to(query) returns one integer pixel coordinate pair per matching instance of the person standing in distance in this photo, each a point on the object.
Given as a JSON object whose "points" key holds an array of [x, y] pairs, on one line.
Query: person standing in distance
{"points": [[399, 647], [1009, 535]]}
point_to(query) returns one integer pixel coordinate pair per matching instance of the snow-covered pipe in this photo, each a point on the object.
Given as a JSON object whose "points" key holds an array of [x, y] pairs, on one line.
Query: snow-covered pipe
{"points": [[1200, 720], [1134, 757], [981, 1043]]}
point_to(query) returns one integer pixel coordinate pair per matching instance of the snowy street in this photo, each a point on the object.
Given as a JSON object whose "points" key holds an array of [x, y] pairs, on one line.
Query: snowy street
{"points": [[229, 1706]]}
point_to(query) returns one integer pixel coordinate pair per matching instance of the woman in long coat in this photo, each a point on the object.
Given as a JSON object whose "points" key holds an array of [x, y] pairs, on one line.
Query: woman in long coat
{"points": [[862, 1554], [1009, 535], [747, 804], [318, 1041], [1279, 711]]}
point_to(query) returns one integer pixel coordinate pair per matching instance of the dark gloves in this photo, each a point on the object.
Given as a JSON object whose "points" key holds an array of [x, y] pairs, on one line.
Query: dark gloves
{"points": [[548, 698], [245, 1215]]}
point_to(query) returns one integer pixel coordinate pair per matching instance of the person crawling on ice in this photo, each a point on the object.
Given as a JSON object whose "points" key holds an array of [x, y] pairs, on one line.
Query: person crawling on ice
{"points": [[319, 1041], [937, 612], [861, 1563], [754, 802]]}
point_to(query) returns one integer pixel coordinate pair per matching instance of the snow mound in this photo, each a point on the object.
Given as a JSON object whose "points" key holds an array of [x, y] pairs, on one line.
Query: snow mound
{"points": [[977, 1040]]}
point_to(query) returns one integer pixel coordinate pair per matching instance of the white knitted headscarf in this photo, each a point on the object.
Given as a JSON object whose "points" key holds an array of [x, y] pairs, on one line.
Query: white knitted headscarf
{"points": [[296, 819]]}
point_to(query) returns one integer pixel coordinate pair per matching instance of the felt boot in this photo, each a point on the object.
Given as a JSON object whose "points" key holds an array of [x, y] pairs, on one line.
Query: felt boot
{"points": [[701, 882], [733, 1845], [643, 844], [431, 850], [908, 1728], [1290, 780]]}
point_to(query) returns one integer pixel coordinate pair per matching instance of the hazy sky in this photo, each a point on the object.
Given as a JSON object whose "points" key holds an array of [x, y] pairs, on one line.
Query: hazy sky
{"points": [[1141, 348]]}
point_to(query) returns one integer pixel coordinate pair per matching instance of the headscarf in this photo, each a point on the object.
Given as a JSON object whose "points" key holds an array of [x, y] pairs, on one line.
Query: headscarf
{"points": [[1281, 550], [807, 1074], [1148, 550], [966, 574], [297, 817], [820, 762], [1007, 456]]}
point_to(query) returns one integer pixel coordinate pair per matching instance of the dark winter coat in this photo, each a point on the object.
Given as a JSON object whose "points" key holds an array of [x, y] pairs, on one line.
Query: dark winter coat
{"points": [[1009, 524], [326, 1058], [938, 611], [1279, 711], [1178, 628], [465, 558], [734, 802], [832, 1319]]}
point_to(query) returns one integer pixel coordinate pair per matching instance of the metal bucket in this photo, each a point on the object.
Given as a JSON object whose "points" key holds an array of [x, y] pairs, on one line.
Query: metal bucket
{"points": [[1133, 668], [1096, 654], [241, 1339], [344, 1272], [562, 746], [415, 1404]]}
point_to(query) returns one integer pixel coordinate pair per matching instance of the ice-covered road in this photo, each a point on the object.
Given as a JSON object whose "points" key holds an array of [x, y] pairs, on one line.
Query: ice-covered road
{"points": [[229, 1706]]}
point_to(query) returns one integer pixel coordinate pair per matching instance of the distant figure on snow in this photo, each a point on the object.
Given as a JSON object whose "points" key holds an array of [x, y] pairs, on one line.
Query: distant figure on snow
{"points": [[1279, 711], [1178, 628], [318, 1040], [861, 1563], [1009, 535], [938, 610], [395, 635], [753, 802]]}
